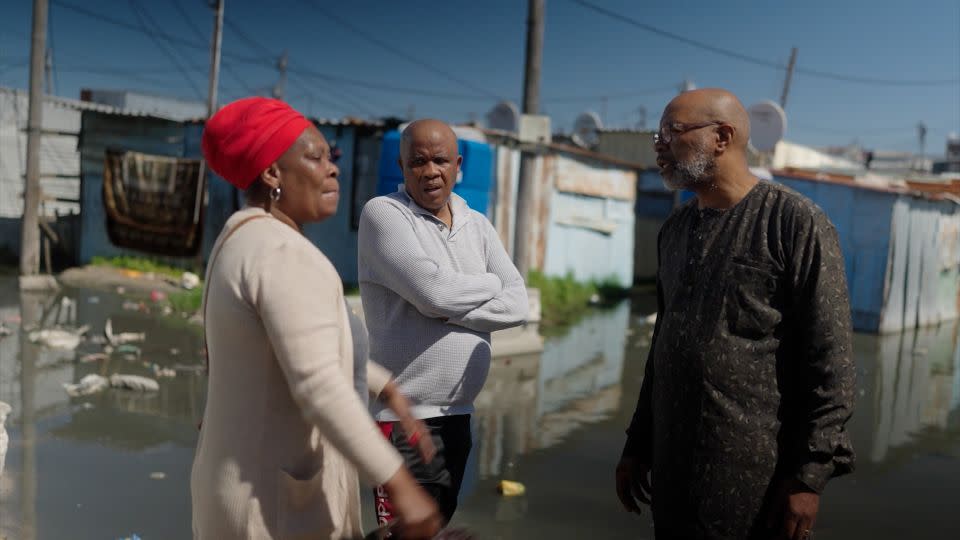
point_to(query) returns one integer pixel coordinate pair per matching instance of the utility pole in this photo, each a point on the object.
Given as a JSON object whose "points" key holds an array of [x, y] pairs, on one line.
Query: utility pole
{"points": [[786, 81], [215, 58], [29, 225], [201, 198], [48, 72], [278, 89], [526, 190]]}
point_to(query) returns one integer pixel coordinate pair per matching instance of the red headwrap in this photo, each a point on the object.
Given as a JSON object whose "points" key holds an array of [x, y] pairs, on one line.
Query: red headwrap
{"points": [[242, 139]]}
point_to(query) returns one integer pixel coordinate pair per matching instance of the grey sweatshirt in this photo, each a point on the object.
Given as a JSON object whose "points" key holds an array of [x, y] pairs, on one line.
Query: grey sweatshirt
{"points": [[431, 296]]}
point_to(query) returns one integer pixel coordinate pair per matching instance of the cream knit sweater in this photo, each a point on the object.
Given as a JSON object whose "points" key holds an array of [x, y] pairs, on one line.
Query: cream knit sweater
{"points": [[284, 432]]}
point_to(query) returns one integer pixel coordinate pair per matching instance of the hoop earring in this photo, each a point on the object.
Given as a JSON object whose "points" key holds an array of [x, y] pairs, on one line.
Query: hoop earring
{"points": [[275, 194]]}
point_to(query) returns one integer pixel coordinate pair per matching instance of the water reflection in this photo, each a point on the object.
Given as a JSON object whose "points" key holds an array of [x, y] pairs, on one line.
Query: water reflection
{"points": [[533, 402], [909, 385], [554, 421]]}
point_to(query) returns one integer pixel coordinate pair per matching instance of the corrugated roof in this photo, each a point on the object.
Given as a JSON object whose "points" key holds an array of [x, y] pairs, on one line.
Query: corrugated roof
{"points": [[566, 148], [77, 105], [335, 122]]}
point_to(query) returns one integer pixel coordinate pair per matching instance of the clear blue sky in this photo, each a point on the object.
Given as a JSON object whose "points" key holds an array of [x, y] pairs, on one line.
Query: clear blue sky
{"points": [[460, 56]]}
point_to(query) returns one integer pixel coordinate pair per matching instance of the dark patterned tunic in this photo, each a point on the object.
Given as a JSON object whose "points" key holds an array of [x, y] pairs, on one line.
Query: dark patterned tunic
{"points": [[750, 378]]}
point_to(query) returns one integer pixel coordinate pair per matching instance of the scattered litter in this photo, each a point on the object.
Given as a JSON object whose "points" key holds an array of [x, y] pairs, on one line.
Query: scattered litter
{"points": [[93, 300], [163, 373], [175, 352], [134, 382], [122, 337], [129, 352], [167, 311], [157, 476], [132, 273], [511, 489], [189, 280], [121, 290], [4, 438], [4, 331], [58, 338], [89, 384], [94, 357], [157, 296], [191, 368], [130, 305], [196, 318]]}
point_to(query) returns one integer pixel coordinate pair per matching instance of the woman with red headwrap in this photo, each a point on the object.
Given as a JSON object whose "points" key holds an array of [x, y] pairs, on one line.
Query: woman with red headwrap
{"points": [[284, 434]]}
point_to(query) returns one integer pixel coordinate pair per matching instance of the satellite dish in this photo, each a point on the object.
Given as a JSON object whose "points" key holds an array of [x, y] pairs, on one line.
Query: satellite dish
{"points": [[585, 129], [768, 123], [505, 116]]}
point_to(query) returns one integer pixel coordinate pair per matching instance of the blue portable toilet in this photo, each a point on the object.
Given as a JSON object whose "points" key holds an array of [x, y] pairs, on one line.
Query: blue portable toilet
{"points": [[476, 184]]}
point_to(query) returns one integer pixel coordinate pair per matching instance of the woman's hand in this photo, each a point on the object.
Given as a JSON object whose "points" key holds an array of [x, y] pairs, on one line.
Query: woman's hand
{"points": [[418, 435]]}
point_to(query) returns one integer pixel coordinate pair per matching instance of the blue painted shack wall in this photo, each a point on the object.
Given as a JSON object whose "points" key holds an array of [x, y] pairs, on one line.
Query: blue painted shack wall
{"points": [[893, 246], [862, 218], [97, 133], [586, 252]]}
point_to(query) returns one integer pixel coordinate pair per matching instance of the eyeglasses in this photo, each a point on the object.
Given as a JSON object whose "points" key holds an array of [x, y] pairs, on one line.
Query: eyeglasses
{"points": [[677, 128]]}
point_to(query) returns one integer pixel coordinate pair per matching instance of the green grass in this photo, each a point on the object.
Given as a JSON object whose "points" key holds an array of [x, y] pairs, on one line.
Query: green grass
{"points": [[186, 301], [563, 300], [139, 264]]}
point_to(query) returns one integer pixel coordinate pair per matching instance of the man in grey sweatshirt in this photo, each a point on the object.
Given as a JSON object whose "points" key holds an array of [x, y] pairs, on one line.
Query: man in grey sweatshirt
{"points": [[435, 281]]}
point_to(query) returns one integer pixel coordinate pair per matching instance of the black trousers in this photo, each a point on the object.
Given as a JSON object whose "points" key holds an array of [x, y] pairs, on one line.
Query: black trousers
{"points": [[443, 476]]}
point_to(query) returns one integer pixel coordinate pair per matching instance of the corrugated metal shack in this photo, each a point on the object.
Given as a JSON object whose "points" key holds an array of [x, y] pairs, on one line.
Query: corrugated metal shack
{"points": [[358, 142], [901, 245], [584, 209], [59, 169]]}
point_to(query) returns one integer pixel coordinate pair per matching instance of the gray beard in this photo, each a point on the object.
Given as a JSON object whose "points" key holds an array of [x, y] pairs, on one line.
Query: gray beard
{"points": [[693, 172]]}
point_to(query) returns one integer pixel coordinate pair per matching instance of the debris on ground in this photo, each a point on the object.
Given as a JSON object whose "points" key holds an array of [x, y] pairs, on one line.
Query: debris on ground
{"points": [[4, 438], [508, 488], [157, 475], [128, 352], [158, 296], [134, 382], [161, 372], [89, 384], [94, 357], [130, 305], [59, 338], [122, 337], [4, 331], [189, 281]]}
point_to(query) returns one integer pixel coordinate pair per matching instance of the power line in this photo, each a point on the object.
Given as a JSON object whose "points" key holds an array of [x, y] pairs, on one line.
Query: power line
{"points": [[392, 48], [178, 5], [140, 12], [256, 45], [614, 95], [759, 61], [157, 33]]}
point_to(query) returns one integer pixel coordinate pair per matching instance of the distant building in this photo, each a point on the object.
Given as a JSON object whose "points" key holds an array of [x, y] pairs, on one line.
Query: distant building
{"points": [[154, 105], [951, 159]]}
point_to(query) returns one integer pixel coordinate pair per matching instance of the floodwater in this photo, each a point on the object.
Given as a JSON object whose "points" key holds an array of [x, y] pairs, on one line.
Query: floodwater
{"points": [[117, 464]]}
